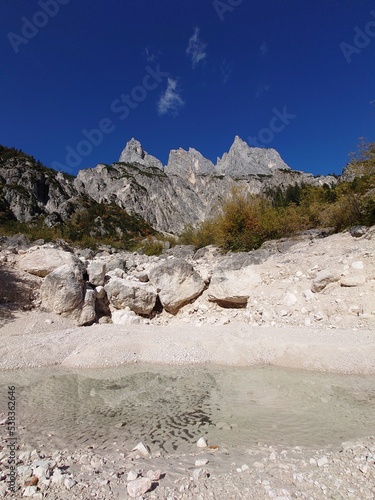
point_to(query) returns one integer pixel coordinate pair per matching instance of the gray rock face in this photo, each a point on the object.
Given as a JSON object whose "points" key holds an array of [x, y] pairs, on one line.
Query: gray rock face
{"points": [[96, 272], [188, 164], [134, 153], [31, 189], [177, 283], [243, 161], [139, 297], [88, 314], [62, 290], [232, 287], [42, 261]]}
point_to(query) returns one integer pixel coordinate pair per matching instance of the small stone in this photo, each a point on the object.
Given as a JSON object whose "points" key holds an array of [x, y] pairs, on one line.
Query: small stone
{"points": [[69, 483], [322, 461], [24, 471], [364, 468], [258, 465], [132, 475], [42, 472], [290, 299], [202, 442], [358, 231], [273, 456], [201, 462], [49, 321], [244, 467], [318, 316], [352, 281], [120, 424], [139, 487], [57, 477], [312, 461], [30, 491], [143, 449], [357, 264], [199, 474], [154, 475], [32, 482], [24, 456]]}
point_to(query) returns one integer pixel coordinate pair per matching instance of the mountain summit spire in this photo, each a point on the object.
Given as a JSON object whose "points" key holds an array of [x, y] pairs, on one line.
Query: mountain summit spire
{"points": [[134, 153]]}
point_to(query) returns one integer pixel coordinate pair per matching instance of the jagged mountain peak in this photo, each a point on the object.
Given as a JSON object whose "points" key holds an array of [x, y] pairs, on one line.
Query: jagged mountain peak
{"points": [[185, 163], [243, 161], [134, 153]]}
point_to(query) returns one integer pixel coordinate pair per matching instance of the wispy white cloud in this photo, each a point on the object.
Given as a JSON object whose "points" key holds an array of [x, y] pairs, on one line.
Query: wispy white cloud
{"points": [[196, 49], [263, 49], [263, 87], [170, 101]]}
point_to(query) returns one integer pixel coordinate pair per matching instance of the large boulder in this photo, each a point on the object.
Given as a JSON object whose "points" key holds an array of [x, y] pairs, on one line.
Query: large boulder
{"points": [[139, 297], [233, 279], [177, 283], [62, 290], [232, 288], [42, 261]]}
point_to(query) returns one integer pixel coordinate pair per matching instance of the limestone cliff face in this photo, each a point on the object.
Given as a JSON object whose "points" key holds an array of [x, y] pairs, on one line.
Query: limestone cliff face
{"points": [[186, 191], [134, 153], [242, 161], [29, 189]]}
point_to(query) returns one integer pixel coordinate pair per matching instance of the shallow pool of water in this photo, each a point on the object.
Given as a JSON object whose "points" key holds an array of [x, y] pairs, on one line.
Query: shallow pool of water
{"points": [[169, 408]]}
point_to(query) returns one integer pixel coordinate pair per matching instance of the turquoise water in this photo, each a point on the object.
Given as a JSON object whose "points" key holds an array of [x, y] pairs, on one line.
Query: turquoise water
{"points": [[169, 408]]}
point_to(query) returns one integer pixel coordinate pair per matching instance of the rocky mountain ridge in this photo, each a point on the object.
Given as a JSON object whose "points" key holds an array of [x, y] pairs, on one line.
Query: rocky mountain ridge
{"points": [[185, 191]]}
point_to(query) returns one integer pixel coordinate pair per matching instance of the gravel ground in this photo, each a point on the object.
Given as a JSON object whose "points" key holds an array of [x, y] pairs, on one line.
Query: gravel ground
{"points": [[29, 341], [262, 472]]}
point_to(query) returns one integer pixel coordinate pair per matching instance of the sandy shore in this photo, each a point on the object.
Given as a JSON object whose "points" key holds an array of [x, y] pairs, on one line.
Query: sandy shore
{"points": [[29, 341]]}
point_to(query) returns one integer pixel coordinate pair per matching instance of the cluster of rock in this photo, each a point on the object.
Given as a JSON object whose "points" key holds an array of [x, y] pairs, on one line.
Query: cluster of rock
{"points": [[211, 472], [306, 281], [185, 191]]}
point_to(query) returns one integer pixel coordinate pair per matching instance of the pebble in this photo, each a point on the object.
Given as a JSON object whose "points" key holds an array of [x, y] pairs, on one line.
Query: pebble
{"points": [[201, 462], [202, 442], [154, 475], [322, 461], [139, 487], [132, 475], [69, 483], [143, 449], [30, 491]]}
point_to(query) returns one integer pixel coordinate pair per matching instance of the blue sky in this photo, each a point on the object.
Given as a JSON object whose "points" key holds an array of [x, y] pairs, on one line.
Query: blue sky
{"points": [[297, 76]]}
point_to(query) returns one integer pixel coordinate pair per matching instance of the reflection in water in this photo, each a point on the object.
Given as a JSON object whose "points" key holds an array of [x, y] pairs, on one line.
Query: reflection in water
{"points": [[171, 407]]}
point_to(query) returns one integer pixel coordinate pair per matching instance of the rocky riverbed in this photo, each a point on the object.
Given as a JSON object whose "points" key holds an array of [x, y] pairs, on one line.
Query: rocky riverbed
{"points": [[260, 472], [304, 303]]}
